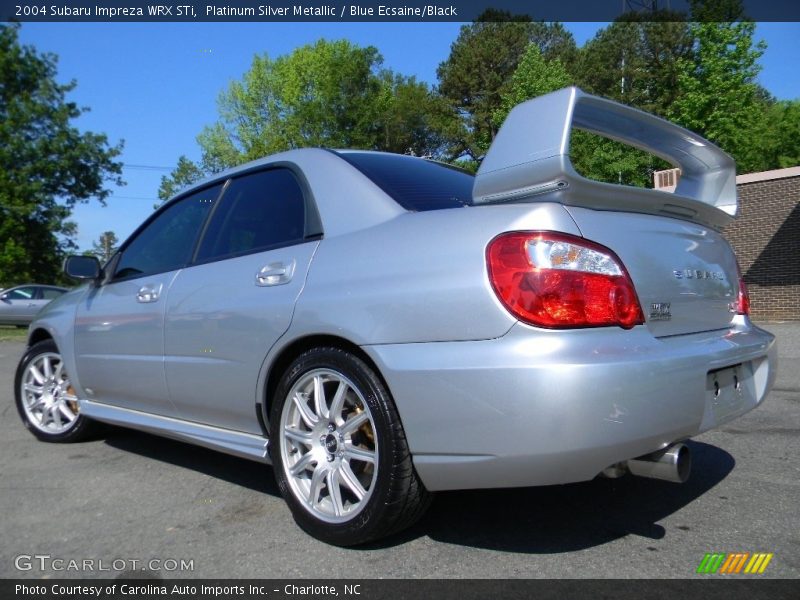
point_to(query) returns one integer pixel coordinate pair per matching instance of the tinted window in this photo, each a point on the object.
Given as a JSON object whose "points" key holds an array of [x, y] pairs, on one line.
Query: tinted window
{"points": [[415, 183], [258, 211], [26, 293], [168, 241], [50, 293]]}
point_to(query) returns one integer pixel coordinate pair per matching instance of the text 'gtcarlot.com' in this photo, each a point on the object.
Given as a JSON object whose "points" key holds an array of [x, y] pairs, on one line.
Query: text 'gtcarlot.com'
{"points": [[47, 562]]}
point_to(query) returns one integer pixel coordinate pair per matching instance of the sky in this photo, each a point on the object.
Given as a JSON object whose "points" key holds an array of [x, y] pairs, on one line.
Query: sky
{"points": [[155, 85]]}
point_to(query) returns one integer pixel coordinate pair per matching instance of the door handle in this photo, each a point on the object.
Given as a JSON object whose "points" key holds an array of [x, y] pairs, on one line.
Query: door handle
{"points": [[148, 293], [277, 273]]}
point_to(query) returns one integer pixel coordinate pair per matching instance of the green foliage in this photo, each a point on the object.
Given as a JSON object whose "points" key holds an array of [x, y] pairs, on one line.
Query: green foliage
{"points": [[410, 118], [782, 135], [603, 159], [481, 60], [47, 165], [329, 94], [719, 97], [555, 42], [105, 246], [534, 76], [477, 73], [185, 174], [635, 61]]}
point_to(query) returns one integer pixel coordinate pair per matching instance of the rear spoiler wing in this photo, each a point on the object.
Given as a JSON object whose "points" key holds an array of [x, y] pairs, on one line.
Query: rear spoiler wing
{"points": [[529, 160]]}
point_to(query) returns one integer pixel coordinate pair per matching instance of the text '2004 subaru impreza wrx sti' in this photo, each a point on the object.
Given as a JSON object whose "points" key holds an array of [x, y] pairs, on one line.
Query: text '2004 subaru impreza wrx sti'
{"points": [[379, 327]]}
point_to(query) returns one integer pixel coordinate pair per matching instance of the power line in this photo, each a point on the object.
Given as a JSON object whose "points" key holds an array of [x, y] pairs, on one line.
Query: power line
{"points": [[135, 198], [147, 167]]}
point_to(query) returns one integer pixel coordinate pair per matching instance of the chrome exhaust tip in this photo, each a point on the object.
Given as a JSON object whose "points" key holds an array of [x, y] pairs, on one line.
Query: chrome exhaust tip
{"points": [[674, 463]]}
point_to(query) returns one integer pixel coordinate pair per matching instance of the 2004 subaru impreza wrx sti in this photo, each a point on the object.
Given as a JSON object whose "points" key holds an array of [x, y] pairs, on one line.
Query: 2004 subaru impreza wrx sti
{"points": [[379, 327]]}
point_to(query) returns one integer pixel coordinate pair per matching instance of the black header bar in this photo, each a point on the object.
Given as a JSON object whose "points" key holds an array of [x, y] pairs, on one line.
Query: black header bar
{"points": [[254, 11]]}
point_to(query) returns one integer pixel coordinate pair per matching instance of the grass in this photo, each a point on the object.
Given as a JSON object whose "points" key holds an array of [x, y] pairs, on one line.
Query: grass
{"points": [[12, 334]]}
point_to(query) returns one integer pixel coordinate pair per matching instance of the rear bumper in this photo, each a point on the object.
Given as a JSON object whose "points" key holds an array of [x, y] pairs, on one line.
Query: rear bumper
{"points": [[547, 407]]}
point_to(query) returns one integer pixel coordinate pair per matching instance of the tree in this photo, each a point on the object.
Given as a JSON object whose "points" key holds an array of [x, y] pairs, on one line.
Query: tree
{"points": [[782, 135], [481, 60], [635, 61], [105, 246], [476, 74], [555, 42], [329, 94], [410, 117], [185, 174], [534, 76], [719, 97], [47, 165]]}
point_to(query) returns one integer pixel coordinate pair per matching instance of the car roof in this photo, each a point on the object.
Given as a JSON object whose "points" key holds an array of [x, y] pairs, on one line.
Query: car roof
{"points": [[288, 156]]}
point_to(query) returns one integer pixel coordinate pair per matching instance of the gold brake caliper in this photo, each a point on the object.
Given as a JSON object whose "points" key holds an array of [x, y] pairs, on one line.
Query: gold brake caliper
{"points": [[366, 428], [73, 404]]}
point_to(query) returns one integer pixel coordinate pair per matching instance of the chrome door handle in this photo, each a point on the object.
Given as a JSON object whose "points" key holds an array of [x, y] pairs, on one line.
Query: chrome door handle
{"points": [[277, 273], [148, 293]]}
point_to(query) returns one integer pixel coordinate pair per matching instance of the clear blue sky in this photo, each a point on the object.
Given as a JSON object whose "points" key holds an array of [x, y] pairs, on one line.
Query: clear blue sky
{"points": [[155, 84]]}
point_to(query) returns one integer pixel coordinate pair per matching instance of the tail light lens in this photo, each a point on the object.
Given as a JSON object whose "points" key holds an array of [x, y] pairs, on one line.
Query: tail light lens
{"points": [[562, 281], [743, 301]]}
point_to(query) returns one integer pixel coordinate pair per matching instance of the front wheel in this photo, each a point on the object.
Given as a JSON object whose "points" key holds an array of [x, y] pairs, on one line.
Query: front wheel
{"points": [[339, 451], [45, 398]]}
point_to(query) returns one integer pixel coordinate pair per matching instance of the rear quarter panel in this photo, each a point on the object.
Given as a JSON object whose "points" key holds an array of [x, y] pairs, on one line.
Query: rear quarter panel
{"points": [[419, 277]]}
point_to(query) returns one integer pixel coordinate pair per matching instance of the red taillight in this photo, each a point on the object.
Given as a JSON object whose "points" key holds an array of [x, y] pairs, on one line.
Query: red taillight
{"points": [[743, 300], [557, 280]]}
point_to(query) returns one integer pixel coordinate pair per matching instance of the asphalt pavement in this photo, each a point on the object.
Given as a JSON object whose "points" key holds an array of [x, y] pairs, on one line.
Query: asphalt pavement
{"points": [[135, 498]]}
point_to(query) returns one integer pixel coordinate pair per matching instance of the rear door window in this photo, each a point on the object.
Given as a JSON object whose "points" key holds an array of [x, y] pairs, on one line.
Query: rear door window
{"points": [[50, 293], [258, 211]]}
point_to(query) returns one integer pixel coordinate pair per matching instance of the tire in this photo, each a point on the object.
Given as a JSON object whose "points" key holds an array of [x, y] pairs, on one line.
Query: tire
{"points": [[342, 465], [45, 399]]}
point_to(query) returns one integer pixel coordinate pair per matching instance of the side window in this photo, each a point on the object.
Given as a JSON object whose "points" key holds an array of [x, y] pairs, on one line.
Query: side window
{"points": [[167, 242], [258, 211], [50, 293], [24, 293]]}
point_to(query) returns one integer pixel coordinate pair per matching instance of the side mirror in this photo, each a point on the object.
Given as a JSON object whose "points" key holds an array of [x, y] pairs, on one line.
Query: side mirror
{"points": [[82, 267]]}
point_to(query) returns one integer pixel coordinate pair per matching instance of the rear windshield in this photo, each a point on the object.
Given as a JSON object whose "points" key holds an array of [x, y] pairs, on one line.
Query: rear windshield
{"points": [[415, 183]]}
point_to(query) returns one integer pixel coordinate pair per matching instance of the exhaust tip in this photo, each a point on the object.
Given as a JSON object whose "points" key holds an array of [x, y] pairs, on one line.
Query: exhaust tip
{"points": [[674, 463], [683, 463]]}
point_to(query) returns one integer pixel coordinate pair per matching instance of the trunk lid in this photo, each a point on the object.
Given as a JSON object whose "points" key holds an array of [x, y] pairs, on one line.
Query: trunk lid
{"points": [[685, 274]]}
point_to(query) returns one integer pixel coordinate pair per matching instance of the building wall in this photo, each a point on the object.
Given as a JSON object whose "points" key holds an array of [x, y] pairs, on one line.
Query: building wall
{"points": [[766, 238]]}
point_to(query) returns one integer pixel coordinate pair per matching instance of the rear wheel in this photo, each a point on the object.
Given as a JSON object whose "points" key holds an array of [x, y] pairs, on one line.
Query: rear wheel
{"points": [[45, 398], [339, 451]]}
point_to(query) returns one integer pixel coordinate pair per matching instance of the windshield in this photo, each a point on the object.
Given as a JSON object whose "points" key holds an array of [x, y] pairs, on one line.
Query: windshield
{"points": [[415, 183]]}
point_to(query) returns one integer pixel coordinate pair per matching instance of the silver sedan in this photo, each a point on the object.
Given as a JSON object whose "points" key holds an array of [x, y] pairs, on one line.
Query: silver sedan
{"points": [[380, 327], [19, 305]]}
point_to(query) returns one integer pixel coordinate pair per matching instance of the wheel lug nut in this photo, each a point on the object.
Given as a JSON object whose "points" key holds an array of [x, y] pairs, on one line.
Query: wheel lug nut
{"points": [[330, 457], [331, 427]]}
